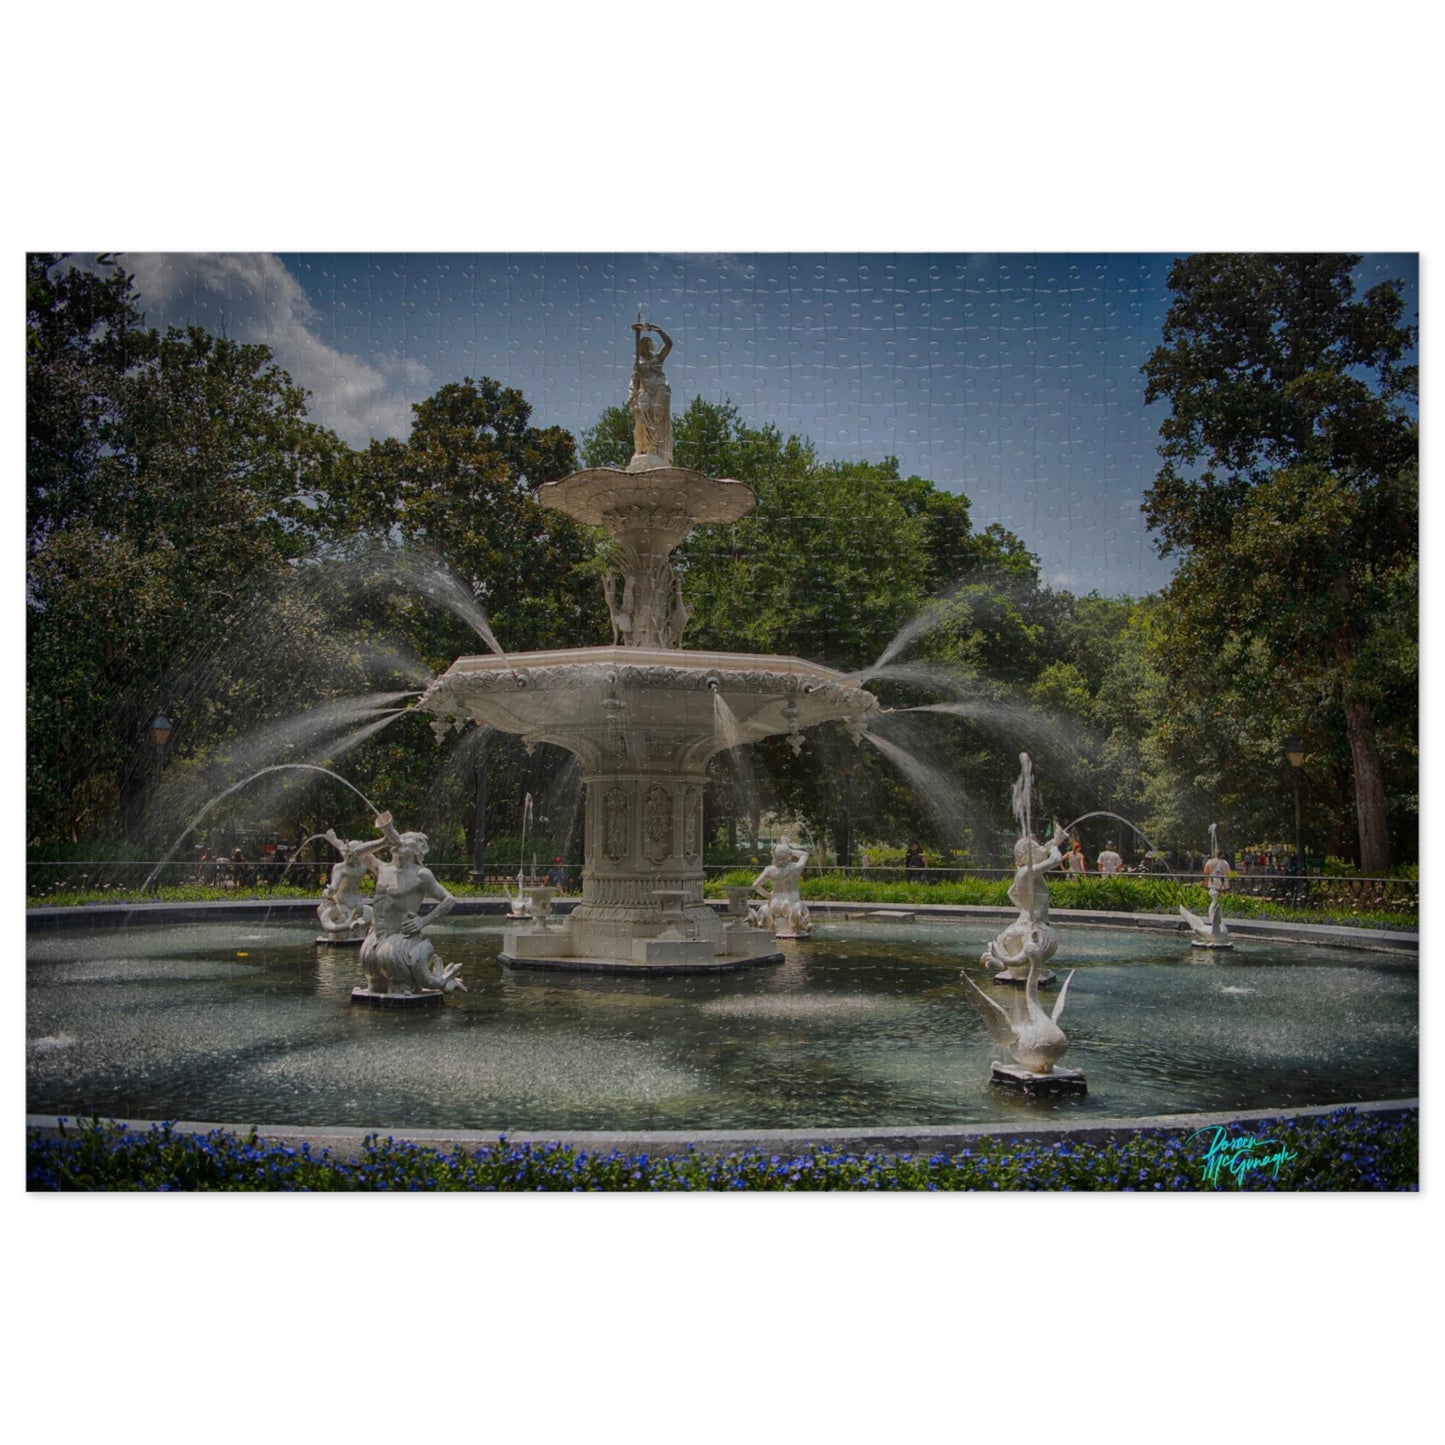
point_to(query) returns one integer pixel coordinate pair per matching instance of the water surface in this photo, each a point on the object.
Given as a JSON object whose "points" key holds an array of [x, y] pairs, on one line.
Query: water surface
{"points": [[862, 1025]]}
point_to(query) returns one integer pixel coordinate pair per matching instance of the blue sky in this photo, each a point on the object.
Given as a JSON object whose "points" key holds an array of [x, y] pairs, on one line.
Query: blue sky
{"points": [[1012, 378]]}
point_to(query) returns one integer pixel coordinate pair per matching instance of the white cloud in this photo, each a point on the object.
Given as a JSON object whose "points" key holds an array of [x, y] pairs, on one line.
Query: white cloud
{"points": [[252, 297]]}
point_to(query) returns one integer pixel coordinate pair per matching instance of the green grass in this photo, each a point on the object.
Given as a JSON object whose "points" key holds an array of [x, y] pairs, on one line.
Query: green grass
{"points": [[207, 893]]}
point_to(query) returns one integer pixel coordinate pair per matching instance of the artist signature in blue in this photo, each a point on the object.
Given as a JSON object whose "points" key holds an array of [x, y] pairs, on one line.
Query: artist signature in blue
{"points": [[1241, 1154]]}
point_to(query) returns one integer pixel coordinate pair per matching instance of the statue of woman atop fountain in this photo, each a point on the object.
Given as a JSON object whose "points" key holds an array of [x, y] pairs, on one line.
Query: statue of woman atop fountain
{"points": [[1029, 938], [783, 909], [649, 398], [343, 912], [395, 957]]}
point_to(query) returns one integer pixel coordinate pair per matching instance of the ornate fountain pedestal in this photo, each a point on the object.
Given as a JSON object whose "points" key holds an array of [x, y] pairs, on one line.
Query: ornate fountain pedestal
{"points": [[643, 724]]}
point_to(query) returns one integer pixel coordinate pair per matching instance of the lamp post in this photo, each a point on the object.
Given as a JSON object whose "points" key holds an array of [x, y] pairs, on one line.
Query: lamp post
{"points": [[1294, 750], [159, 733]]}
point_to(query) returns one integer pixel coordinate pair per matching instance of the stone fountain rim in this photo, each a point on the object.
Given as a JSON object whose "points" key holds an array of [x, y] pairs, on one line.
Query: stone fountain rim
{"points": [[640, 659], [346, 1142], [1390, 941]]}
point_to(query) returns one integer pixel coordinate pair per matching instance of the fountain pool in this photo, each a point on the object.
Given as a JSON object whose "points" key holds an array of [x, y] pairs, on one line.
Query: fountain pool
{"points": [[866, 1024]]}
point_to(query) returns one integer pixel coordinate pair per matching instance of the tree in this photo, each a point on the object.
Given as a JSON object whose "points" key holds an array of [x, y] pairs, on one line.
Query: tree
{"points": [[82, 334], [163, 511], [462, 486], [1288, 488]]}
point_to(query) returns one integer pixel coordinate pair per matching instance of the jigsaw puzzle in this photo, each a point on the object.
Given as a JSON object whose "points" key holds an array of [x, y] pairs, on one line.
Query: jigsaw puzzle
{"points": [[722, 708]]}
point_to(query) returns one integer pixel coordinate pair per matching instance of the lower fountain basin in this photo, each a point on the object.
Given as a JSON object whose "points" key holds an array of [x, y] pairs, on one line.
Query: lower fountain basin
{"points": [[862, 1025]]}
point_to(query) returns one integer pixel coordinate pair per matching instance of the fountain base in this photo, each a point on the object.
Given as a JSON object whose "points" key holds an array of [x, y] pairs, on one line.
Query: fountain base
{"points": [[700, 962], [1024, 1081], [1208, 943], [395, 1000], [324, 941], [1019, 978]]}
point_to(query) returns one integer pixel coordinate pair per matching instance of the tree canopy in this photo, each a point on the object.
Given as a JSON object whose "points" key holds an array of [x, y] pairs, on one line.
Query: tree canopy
{"points": [[1289, 489]]}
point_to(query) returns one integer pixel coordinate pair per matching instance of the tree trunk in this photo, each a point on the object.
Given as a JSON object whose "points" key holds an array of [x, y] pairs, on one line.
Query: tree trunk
{"points": [[1369, 773], [134, 797], [1369, 791]]}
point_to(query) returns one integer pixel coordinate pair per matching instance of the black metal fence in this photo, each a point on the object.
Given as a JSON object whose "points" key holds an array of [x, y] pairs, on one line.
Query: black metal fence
{"points": [[1323, 894]]}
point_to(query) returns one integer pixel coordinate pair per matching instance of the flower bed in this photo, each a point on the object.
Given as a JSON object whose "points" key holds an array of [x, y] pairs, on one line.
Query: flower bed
{"points": [[1343, 1150]]}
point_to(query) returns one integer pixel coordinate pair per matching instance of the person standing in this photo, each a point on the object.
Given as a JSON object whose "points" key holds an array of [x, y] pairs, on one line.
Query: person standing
{"points": [[1109, 861], [914, 863], [1077, 866], [1216, 874]]}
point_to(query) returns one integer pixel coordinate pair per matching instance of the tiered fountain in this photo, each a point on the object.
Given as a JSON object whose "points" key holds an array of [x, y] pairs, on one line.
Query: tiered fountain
{"points": [[644, 715]]}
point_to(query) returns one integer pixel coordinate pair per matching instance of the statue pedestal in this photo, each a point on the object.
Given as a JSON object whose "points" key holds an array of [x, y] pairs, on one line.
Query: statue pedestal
{"points": [[739, 937], [1023, 1081], [1020, 977], [1025, 939], [1209, 943], [339, 940], [396, 1000], [681, 953]]}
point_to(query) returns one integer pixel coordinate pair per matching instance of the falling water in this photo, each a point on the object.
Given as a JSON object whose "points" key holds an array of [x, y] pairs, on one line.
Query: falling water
{"points": [[422, 572], [725, 723], [305, 729], [328, 752], [936, 676], [558, 804], [300, 848], [1023, 723], [932, 785], [235, 787], [1102, 813], [522, 846], [379, 660], [729, 733], [1023, 795], [934, 614]]}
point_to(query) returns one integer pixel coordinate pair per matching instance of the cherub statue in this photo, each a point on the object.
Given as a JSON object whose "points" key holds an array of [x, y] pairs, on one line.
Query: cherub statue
{"points": [[1029, 939], [783, 909], [343, 912]]}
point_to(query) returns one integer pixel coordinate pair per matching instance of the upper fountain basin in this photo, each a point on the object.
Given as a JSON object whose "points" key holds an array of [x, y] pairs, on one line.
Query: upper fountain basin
{"points": [[666, 499], [642, 708]]}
